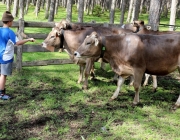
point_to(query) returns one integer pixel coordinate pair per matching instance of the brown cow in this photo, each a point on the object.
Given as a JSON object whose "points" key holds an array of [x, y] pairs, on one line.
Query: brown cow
{"points": [[142, 29], [71, 40], [134, 54]]}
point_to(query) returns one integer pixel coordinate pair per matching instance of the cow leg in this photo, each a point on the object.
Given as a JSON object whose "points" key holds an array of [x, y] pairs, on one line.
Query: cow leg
{"points": [[131, 80], [115, 78], [89, 64], [137, 85], [146, 79], [102, 64], [119, 84], [92, 72], [81, 69], [154, 82]]}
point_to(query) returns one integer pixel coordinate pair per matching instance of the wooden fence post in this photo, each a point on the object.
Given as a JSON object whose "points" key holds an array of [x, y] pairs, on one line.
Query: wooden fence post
{"points": [[19, 48]]}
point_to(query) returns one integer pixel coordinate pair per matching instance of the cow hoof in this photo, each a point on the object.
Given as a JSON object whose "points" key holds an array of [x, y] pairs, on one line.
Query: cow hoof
{"points": [[112, 99], [114, 82], [154, 89], [135, 103], [174, 107], [84, 88]]}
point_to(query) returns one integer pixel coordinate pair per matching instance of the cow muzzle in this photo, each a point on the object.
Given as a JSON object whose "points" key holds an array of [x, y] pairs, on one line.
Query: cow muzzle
{"points": [[44, 45]]}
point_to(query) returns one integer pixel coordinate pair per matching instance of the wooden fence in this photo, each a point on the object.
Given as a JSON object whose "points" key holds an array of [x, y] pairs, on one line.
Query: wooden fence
{"points": [[21, 24]]}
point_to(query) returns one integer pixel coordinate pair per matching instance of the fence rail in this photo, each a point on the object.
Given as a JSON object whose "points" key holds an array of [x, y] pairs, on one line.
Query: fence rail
{"points": [[21, 24]]}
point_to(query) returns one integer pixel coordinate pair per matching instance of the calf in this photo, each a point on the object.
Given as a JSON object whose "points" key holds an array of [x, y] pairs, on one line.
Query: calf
{"points": [[133, 54]]}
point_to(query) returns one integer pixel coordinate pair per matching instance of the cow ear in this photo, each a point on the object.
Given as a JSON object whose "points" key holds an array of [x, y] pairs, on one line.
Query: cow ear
{"points": [[57, 34], [56, 24], [96, 41], [65, 25]]}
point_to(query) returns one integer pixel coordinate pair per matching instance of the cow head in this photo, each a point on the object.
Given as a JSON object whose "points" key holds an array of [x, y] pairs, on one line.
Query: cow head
{"points": [[91, 47], [63, 24], [53, 40]]}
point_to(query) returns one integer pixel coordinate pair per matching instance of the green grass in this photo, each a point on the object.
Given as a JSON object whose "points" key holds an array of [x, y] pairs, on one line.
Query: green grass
{"points": [[49, 104]]}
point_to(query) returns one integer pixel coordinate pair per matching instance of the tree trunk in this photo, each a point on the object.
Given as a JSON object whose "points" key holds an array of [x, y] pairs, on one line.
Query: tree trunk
{"points": [[42, 4], [69, 10], [112, 12], [92, 6], [38, 6], [154, 14], [135, 14], [27, 6], [21, 7], [47, 9], [34, 2], [88, 6], [81, 11], [52, 8], [173, 14], [64, 3], [8, 6], [56, 7], [130, 11], [141, 6], [123, 8], [3, 1], [15, 8]]}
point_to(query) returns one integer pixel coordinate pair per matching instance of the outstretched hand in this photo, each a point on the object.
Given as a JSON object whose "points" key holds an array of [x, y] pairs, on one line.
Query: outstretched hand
{"points": [[31, 39]]}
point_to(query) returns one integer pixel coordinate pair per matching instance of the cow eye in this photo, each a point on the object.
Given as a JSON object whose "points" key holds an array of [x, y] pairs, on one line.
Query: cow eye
{"points": [[52, 36], [88, 43]]}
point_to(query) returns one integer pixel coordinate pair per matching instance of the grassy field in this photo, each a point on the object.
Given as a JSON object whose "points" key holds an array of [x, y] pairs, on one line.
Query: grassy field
{"points": [[48, 103]]}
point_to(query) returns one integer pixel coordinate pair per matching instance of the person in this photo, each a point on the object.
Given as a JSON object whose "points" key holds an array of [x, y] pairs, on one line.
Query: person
{"points": [[8, 40]]}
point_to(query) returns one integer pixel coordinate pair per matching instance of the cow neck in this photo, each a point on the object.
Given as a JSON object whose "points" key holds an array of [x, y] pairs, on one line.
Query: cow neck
{"points": [[141, 28], [62, 38], [103, 42], [64, 43]]}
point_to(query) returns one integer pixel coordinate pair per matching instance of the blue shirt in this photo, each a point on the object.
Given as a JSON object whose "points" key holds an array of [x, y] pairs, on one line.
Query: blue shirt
{"points": [[7, 41]]}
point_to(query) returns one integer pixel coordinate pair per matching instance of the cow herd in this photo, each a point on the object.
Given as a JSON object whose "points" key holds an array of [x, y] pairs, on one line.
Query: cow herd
{"points": [[132, 50]]}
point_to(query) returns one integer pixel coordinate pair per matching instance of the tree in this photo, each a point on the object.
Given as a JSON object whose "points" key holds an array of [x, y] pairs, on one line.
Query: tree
{"points": [[135, 13], [56, 7], [47, 9], [141, 6], [123, 8], [21, 7], [15, 8], [81, 11], [37, 9], [52, 8], [27, 6], [8, 6], [69, 10], [173, 14], [130, 11], [154, 14], [112, 12]]}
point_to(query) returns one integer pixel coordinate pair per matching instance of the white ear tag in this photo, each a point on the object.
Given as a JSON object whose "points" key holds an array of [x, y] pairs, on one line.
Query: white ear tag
{"points": [[96, 41]]}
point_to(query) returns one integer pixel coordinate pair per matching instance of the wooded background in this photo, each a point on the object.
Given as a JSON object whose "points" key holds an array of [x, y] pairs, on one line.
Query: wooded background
{"points": [[155, 9]]}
